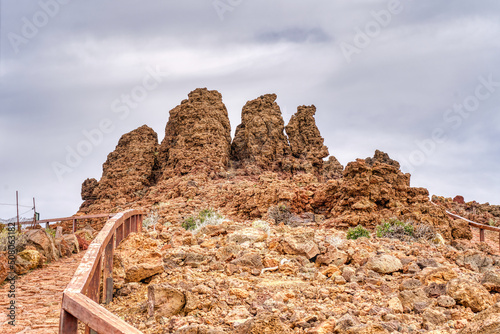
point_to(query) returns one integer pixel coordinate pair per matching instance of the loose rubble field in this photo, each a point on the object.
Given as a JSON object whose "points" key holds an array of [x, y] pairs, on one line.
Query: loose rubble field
{"points": [[240, 277]]}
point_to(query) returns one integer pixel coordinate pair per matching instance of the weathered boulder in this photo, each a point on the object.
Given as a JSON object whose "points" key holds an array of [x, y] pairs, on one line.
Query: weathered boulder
{"points": [[164, 300], [491, 281], [250, 235], [136, 259], [28, 260], [4, 266], [43, 243], [259, 140], [263, 323], [332, 256], [306, 143], [384, 264], [298, 245], [72, 241], [197, 135], [414, 300], [485, 322], [63, 248], [469, 294]]}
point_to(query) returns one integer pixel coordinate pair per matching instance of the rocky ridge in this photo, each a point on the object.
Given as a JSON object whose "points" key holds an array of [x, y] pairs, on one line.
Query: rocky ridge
{"points": [[266, 164]]}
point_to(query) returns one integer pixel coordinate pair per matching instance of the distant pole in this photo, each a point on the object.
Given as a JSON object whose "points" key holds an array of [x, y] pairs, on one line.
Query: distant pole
{"points": [[34, 213], [17, 206]]}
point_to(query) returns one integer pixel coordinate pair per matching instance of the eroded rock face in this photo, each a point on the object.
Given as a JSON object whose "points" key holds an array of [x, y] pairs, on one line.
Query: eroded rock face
{"points": [[332, 169], [259, 140], [197, 135], [469, 294], [306, 143], [375, 189], [136, 259], [127, 173], [88, 187]]}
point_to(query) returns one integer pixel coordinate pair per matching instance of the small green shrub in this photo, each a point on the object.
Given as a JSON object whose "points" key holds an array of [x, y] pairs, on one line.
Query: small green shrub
{"points": [[492, 222], [189, 223], [51, 231], [404, 231], [204, 218], [394, 228], [280, 213], [357, 232]]}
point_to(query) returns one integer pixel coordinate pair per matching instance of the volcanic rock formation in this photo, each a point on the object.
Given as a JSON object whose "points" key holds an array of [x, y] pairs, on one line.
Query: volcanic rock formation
{"points": [[197, 167], [306, 143], [197, 135], [259, 140], [129, 171]]}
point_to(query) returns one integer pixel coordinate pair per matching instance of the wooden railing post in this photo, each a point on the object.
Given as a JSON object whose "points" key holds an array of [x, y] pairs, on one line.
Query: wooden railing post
{"points": [[75, 225], [127, 228], [93, 290], [81, 297], [139, 223], [481, 235], [68, 324], [108, 271]]}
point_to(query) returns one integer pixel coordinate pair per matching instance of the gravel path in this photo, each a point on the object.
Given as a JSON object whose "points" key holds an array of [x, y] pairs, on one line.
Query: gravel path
{"points": [[38, 298]]}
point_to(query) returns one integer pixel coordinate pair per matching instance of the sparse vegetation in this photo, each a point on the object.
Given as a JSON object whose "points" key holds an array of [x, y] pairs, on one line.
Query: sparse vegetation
{"points": [[51, 232], [261, 225], [20, 241], [492, 222], [404, 231], [203, 218], [150, 221], [357, 232], [280, 214]]}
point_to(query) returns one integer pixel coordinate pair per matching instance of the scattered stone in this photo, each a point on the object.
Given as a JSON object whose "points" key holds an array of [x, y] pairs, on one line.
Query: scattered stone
{"points": [[164, 300], [469, 294], [384, 264]]}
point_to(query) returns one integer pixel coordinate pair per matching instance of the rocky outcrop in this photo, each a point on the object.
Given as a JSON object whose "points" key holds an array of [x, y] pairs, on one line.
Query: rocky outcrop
{"points": [[197, 136], [383, 158], [136, 259], [375, 189], [127, 174], [259, 140], [332, 169], [88, 189], [306, 143]]}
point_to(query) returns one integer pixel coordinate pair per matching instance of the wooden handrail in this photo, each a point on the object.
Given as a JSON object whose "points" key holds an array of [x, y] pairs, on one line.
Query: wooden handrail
{"points": [[81, 296], [481, 227], [108, 215]]}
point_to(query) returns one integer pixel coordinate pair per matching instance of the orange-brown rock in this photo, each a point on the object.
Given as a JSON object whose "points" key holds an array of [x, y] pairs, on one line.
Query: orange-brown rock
{"points": [[88, 188], [375, 189], [332, 169], [306, 143], [259, 140], [197, 136], [128, 172]]}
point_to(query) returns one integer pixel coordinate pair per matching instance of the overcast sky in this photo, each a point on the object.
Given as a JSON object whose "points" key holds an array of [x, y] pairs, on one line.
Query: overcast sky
{"points": [[419, 80]]}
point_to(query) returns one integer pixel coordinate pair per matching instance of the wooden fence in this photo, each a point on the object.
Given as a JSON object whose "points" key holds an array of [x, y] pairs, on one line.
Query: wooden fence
{"points": [[75, 219], [481, 227], [82, 295]]}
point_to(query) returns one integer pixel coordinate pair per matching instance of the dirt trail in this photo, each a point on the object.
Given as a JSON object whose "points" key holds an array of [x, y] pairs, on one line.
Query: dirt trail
{"points": [[38, 298]]}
